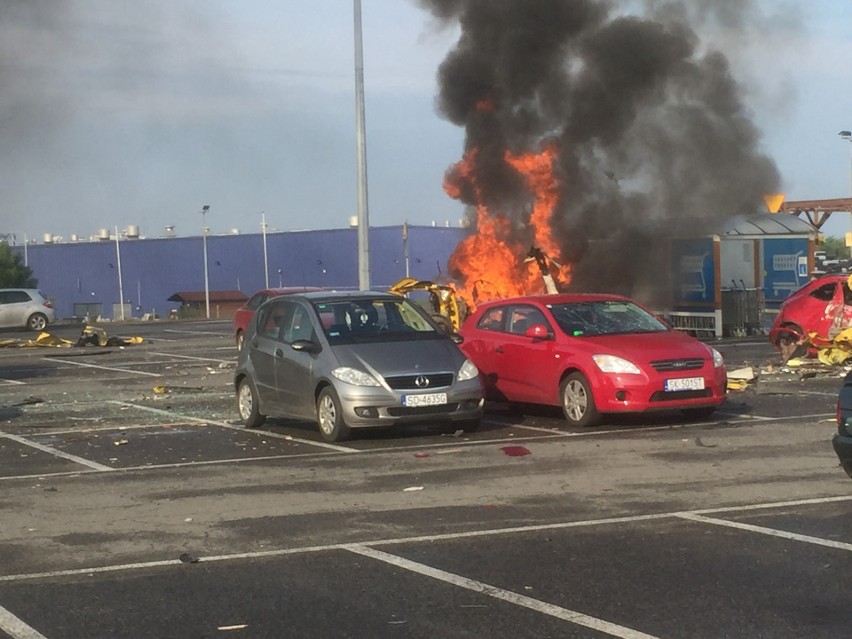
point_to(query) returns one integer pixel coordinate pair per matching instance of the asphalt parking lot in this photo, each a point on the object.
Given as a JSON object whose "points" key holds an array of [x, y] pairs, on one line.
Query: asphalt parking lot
{"points": [[134, 505]]}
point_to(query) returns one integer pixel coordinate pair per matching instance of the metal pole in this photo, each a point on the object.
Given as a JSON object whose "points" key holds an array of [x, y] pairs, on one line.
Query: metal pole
{"points": [[26, 258], [204, 210], [265, 257], [120, 282], [361, 143], [405, 248]]}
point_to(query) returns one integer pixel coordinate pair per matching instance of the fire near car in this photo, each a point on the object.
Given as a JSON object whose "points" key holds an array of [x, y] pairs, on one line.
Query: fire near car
{"points": [[353, 360], [822, 308], [244, 313], [27, 307], [590, 354]]}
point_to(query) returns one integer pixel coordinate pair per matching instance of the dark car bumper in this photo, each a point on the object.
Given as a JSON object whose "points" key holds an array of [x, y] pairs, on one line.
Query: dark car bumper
{"points": [[843, 448]]}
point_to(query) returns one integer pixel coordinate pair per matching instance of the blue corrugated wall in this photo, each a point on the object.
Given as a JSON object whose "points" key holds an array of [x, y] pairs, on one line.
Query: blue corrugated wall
{"points": [[154, 269]]}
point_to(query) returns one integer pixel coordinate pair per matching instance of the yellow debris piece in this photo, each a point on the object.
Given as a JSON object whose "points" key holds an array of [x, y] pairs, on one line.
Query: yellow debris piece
{"points": [[160, 390], [737, 384]]}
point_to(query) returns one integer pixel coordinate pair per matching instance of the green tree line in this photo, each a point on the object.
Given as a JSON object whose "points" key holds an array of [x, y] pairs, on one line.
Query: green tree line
{"points": [[13, 272]]}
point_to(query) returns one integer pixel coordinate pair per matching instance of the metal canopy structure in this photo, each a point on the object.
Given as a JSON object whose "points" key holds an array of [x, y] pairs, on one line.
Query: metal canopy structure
{"points": [[817, 211]]}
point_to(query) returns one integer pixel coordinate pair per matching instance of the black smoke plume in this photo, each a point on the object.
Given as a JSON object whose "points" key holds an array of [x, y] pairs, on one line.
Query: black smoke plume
{"points": [[653, 135]]}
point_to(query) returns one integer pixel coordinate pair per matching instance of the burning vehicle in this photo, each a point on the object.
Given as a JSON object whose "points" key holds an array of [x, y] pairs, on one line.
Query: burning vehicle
{"points": [[813, 317]]}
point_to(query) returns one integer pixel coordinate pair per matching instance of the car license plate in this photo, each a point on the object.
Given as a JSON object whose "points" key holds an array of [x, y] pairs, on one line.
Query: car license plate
{"points": [[429, 399], [685, 383]]}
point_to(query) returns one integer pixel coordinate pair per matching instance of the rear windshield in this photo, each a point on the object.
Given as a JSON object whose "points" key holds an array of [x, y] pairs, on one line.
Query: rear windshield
{"points": [[374, 320], [615, 317]]}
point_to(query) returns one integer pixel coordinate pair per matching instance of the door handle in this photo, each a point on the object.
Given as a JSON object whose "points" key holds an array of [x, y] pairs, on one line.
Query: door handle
{"points": [[279, 352], [499, 349]]}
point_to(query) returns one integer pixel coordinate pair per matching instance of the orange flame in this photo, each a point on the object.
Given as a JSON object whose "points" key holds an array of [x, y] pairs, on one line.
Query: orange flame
{"points": [[489, 263]]}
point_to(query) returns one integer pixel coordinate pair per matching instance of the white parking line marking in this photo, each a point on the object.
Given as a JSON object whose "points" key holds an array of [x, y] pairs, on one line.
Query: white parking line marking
{"points": [[55, 453], [16, 628], [110, 368], [170, 330], [12, 381], [767, 531], [264, 433], [537, 605], [201, 359], [281, 552]]}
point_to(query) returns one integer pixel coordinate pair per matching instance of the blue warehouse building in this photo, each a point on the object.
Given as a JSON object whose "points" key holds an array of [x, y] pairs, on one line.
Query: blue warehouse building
{"points": [[83, 277]]}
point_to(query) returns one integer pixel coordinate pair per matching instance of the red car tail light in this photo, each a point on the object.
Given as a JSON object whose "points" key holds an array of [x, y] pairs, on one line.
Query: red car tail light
{"points": [[48, 304]]}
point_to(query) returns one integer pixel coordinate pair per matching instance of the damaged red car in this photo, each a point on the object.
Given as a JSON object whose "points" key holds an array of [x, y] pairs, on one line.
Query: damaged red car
{"points": [[591, 355], [812, 316]]}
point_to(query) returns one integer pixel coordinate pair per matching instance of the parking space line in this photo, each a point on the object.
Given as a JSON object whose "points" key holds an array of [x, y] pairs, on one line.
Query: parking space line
{"points": [[281, 552], [16, 628], [12, 381], [56, 453], [767, 531], [171, 330], [536, 605], [200, 359], [110, 368], [264, 433]]}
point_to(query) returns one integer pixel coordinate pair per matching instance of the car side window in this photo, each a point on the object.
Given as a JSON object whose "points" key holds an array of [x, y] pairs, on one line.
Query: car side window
{"points": [[298, 324], [16, 297], [492, 320], [824, 293], [269, 320], [256, 300], [4, 297], [523, 317]]}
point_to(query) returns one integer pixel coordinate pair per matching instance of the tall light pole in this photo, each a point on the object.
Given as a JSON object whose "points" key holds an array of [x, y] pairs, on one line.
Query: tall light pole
{"points": [[361, 143], [120, 280], [204, 210], [847, 135], [265, 257]]}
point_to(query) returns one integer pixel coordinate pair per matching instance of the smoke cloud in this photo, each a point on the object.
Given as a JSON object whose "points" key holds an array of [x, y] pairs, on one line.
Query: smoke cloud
{"points": [[653, 135]]}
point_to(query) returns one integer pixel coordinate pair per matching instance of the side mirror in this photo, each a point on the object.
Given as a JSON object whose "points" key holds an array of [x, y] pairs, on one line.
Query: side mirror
{"points": [[306, 346], [539, 332], [458, 339]]}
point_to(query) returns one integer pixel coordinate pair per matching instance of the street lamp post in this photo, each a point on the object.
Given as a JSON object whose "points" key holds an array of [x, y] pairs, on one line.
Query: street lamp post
{"points": [[847, 135], [265, 256], [361, 143], [204, 210]]}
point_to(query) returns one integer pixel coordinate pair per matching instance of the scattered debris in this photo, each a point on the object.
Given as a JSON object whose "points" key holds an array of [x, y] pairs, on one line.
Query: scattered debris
{"points": [[698, 442], [32, 399], [421, 455], [189, 559], [240, 626], [90, 335], [516, 451], [120, 442], [411, 489]]}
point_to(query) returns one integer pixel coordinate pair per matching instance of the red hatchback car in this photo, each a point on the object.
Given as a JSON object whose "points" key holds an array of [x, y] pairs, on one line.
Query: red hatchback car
{"points": [[823, 307], [243, 315], [591, 354]]}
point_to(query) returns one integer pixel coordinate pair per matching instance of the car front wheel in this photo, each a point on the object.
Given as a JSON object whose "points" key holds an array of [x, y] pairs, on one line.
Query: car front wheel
{"points": [[330, 417], [248, 404], [37, 322], [578, 404]]}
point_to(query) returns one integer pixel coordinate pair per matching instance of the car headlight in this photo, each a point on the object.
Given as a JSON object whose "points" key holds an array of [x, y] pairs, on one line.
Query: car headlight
{"points": [[613, 364], [467, 371], [354, 376], [718, 360]]}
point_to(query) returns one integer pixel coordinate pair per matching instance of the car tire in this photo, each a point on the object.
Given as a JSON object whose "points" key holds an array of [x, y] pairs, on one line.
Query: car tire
{"points": [[248, 404], [578, 404], [240, 339], [699, 413], [330, 417], [37, 322]]}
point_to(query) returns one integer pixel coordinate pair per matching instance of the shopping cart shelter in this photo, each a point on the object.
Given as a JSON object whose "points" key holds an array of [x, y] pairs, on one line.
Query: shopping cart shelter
{"points": [[733, 282]]}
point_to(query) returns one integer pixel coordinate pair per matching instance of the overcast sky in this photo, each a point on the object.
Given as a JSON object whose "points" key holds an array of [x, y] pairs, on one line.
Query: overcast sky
{"points": [[118, 113]]}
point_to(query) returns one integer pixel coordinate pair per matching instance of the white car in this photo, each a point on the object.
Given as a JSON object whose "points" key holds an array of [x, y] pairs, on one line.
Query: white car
{"points": [[27, 307]]}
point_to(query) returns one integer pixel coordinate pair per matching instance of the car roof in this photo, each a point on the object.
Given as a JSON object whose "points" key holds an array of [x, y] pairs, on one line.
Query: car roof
{"points": [[336, 296], [557, 298]]}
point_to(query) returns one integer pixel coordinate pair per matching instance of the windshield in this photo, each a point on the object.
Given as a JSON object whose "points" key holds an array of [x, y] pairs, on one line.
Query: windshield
{"points": [[612, 317], [371, 319]]}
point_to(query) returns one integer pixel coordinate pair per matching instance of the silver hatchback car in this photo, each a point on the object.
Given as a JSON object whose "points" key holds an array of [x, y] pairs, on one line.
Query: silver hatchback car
{"points": [[353, 360], [27, 307]]}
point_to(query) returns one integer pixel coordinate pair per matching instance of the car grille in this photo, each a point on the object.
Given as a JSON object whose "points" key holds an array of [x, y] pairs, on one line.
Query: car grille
{"points": [[409, 382], [662, 396], [669, 365], [406, 411]]}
